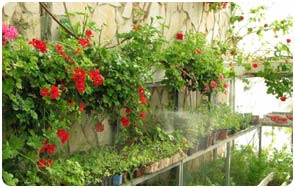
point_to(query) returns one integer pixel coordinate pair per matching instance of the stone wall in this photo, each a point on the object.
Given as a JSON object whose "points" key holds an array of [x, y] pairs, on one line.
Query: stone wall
{"points": [[33, 22], [120, 17]]}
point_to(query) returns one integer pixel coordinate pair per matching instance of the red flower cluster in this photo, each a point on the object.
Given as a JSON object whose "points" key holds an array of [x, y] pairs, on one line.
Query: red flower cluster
{"points": [[54, 92], [84, 42], [42, 163], [288, 40], [99, 127], [63, 135], [47, 147], [213, 84], [255, 65], [225, 85], [79, 79], [142, 114], [142, 97], [88, 33], [125, 121], [81, 106], [283, 98], [96, 77], [59, 49], [39, 44], [179, 36]]}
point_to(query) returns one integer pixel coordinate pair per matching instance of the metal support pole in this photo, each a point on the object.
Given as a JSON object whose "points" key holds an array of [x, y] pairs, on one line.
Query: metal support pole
{"points": [[180, 174], [227, 163], [260, 140]]}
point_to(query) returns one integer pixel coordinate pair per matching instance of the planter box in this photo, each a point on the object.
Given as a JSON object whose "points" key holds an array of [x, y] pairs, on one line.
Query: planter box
{"points": [[278, 118]]}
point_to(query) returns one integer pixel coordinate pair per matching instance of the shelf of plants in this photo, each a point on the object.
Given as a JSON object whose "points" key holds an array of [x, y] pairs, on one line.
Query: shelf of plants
{"points": [[193, 156]]}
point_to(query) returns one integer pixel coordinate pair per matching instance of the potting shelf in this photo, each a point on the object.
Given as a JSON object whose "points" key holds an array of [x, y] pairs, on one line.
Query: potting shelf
{"points": [[194, 156], [227, 141]]}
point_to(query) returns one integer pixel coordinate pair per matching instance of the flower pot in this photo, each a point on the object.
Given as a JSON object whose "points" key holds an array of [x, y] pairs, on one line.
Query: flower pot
{"points": [[176, 157], [254, 120], [117, 179], [163, 163], [139, 172], [152, 168], [222, 134], [108, 180]]}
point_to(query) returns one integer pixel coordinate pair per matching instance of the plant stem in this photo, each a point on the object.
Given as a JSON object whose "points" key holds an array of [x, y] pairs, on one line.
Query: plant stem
{"points": [[56, 20]]}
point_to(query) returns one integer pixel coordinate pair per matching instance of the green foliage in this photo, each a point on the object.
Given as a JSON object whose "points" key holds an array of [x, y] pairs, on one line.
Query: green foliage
{"points": [[9, 179], [66, 172], [193, 63]]}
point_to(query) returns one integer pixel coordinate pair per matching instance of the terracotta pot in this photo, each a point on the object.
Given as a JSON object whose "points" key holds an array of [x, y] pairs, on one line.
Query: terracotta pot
{"points": [[176, 157], [152, 168], [222, 134], [139, 172], [164, 163]]}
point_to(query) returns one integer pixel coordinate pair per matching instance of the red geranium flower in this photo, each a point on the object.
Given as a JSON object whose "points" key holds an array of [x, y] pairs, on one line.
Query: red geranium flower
{"points": [[99, 127], [142, 114], [39, 44], [213, 84], [88, 33], [81, 106], [50, 148], [42, 163], [79, 79], [255, 65], [44, 92], [225, 85], [179, 36], [63, 135], [96, 77], [140, 90], [54, 93], [142, 100], [288, 40], [84, 42], [125, 121], [283, 98], [59, 49], [44, 147]]}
